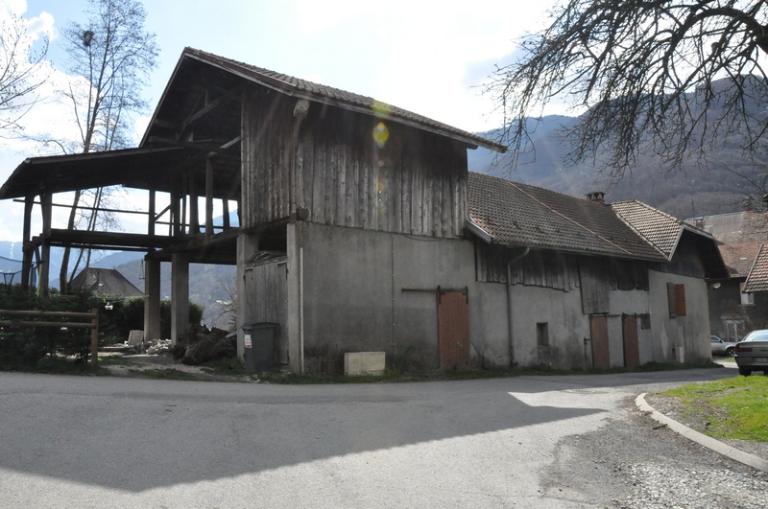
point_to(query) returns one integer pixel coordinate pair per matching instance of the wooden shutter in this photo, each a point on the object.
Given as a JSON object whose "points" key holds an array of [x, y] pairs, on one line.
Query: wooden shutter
{"points": [[671, 300], [680, 300]]}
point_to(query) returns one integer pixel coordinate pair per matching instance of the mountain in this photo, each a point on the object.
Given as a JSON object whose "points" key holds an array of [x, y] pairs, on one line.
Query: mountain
{"points": [[716, 184]]}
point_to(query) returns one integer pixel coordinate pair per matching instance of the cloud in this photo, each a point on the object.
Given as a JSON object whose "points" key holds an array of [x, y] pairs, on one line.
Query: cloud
{"points": [[429, 49]]}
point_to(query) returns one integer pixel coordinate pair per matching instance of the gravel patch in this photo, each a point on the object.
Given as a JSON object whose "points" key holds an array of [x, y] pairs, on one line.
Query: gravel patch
{"points": [[633, 462]]}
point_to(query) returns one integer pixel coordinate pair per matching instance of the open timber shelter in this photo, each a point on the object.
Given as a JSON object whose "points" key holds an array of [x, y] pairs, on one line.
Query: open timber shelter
{"points": [[361, 229]]}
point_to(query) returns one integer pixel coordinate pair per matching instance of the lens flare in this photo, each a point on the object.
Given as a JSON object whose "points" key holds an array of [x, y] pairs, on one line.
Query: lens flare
{"points": [[380, 134]]}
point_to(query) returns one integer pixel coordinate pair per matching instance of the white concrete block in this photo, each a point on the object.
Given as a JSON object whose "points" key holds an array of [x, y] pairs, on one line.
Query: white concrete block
{"points": [[364, 363]]}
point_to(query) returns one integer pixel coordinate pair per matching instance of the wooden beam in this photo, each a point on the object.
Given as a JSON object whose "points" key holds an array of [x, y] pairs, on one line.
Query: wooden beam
{"points": [[205, 110], [114, 239], [208, 198], [86, 207]]}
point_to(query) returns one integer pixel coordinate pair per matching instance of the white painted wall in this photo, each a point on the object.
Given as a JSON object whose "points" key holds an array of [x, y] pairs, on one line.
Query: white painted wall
{"points": [[691, 331]]}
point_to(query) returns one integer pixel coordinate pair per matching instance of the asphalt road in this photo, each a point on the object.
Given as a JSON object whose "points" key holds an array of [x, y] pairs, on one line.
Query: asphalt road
{"points": [[550, 441]]}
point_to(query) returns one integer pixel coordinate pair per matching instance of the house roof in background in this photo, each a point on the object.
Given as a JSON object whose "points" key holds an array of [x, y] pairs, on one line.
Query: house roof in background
{"points": [[757, 280], [515, 214], [662, 230], [105, 283], [739, 236], [324, 94]]}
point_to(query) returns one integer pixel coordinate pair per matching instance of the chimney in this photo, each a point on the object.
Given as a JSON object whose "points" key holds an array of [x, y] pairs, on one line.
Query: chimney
{"points": [[597, 196]]}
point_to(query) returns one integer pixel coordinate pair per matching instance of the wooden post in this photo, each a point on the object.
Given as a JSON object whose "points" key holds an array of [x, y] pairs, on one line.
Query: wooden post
{"points": [[208, 198], [194, 217], [151, 222], [174, 227], [95, 337], [45, 262], [26, 264], [225, 212]]}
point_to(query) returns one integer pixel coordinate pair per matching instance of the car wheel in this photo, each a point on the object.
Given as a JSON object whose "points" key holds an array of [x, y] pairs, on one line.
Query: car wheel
{"points": [[745, 371], [730, 351]]}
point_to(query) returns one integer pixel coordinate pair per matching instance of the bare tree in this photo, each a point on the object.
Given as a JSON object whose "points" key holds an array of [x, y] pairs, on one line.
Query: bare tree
{"points": [[20, 60], [114, 52], [674, 73]]}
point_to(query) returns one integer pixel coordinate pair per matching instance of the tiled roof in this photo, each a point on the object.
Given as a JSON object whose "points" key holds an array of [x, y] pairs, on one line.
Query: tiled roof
{"points": [[516, 214], [316, 92], [739, 236], [757, 280], [657, 227]]}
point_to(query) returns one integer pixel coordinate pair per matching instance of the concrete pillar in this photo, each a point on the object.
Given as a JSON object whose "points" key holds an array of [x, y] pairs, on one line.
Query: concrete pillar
{"points": [[295, 311], [247, 246], [151, 299], [179, 297]]}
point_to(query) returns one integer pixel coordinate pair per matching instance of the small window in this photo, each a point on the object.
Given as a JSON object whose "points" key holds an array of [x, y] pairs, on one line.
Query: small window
{"points": [[747, 299], [676, 299], [645, 321], [542, 334]]}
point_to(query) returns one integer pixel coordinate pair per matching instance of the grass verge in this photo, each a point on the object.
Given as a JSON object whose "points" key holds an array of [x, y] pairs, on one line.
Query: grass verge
{"points": [[731, 408]]}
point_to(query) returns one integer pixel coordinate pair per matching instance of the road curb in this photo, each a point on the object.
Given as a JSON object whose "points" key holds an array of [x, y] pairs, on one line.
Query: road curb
{"points": [[700, 438]]}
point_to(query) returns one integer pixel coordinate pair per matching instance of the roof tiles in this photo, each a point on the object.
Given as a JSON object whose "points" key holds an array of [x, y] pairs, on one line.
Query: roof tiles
{"points": [[518, 214]]}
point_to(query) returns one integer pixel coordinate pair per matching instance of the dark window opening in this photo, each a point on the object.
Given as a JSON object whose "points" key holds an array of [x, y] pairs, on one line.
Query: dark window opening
{"points": [[542, 334], [645, 321]]}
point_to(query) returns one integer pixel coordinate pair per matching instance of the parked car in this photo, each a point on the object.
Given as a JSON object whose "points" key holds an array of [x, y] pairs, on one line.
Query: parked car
{"points": [[752, 353], [721, 346]]}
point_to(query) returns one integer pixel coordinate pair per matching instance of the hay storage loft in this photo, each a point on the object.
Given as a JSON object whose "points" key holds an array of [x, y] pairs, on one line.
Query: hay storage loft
{"points": [[361, 229]]}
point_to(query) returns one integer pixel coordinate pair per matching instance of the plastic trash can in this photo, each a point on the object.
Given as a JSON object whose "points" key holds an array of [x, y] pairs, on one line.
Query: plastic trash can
{"points": [[259, 345]]}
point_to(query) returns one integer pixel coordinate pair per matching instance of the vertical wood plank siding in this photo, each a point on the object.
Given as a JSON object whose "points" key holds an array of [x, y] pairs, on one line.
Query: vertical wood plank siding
{"points": [[329, 163]]}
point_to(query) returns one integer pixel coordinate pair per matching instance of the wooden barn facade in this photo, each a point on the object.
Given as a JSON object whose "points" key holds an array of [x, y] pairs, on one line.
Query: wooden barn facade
{"points": [[361, 229]]}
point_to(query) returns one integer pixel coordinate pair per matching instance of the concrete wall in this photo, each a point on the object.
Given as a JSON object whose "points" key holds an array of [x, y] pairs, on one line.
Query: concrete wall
{"points": [[691, 331], [566, 324], [357, 293], [352, 290]]}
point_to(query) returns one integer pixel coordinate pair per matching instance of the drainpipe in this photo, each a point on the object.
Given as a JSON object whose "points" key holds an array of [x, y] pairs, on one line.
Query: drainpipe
{"points": [[510, 340]]}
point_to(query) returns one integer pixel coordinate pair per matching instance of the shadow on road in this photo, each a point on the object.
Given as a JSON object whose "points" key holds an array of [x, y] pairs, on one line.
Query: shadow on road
{"points": [[140, 434]]}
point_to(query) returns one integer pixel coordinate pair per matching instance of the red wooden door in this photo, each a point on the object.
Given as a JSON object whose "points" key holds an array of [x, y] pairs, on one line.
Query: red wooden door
{"points": [[631, 343], [598, 327], [453, 329]]}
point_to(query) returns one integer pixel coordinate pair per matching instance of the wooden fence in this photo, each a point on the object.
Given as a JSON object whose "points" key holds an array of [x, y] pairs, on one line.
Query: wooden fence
{"points": [[86, 320]]}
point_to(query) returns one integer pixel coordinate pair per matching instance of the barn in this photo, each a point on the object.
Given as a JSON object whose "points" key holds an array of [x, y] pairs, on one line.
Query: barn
{"points": [[361, 229]]}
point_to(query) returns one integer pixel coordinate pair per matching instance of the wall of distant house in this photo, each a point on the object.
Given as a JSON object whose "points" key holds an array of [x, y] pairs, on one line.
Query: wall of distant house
{"points": [[729, 317], [679, 338]]}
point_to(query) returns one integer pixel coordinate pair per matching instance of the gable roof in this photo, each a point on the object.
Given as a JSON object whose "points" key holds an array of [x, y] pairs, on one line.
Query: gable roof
{"points": [[757, 280], [514, 214], [662, 230], [315, 92], [739, 235], [105, 283]]}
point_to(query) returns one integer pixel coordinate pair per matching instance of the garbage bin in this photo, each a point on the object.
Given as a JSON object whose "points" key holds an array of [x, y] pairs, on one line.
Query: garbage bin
{"points": [[259, 345]]}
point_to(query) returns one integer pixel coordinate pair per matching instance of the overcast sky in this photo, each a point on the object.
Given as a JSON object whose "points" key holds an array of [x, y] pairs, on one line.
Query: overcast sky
{"points": [[428, 57]]}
